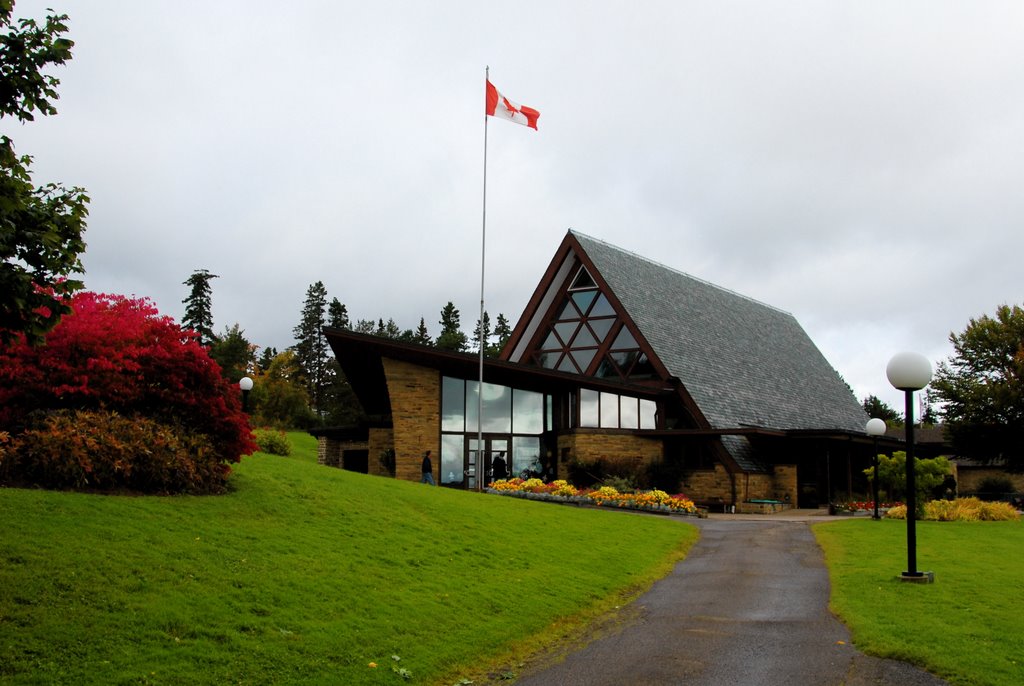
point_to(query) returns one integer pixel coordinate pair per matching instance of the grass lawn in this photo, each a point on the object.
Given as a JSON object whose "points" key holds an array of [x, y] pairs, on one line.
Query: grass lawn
{"points": [[306, 574], [967, 627]]}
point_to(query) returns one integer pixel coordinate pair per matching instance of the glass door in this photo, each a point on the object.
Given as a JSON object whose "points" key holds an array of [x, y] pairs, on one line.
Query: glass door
{"points": [[480, 464]]}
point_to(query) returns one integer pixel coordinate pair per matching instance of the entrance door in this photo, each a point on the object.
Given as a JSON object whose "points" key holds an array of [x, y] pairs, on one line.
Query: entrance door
{"points": [[493, 446]]}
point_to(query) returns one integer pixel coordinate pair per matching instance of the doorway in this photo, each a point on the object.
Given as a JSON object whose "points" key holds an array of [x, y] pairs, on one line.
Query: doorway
{"points": [[493, 447]]}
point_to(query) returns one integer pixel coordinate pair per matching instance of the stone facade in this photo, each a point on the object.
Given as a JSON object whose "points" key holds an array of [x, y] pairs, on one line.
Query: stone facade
{"points": [[713, 487], [379, 440], [587, 445], [415, 394]]}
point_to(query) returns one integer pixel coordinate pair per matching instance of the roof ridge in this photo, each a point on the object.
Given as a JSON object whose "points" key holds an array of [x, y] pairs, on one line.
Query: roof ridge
{"points": [[679, 271]]}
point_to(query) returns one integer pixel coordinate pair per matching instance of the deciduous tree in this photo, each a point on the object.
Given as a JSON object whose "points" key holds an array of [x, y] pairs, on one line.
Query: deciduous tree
{"points": [[40, 227], [876, 407], [119, 354], [982, 388]]}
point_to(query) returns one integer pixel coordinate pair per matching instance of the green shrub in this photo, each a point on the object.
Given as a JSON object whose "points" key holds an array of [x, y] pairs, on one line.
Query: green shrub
{"points": [[272, 441], [105, 451], [622, 484], [995, 488]]}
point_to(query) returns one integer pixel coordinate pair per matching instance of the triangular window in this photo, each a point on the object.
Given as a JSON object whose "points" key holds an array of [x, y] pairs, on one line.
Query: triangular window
{"points": [[583, 281]]}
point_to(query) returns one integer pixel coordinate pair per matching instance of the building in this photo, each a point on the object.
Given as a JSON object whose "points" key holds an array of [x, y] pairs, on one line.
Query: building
{"points": [[619, 359]]}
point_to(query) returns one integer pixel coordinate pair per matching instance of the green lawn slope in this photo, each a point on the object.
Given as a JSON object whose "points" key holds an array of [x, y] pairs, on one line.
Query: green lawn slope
{"points": [[306, 574]]}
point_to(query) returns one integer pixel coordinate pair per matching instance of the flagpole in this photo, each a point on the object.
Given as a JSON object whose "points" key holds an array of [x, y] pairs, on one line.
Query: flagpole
{"points": [[480, 476]]}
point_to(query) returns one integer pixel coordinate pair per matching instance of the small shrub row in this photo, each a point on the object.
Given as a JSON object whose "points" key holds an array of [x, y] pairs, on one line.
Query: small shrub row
{"points": [[106, 451], [272, 441], [961, 510]]}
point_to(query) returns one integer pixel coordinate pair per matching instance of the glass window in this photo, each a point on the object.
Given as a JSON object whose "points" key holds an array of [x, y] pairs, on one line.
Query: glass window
{"points": [[566, 365], [582, 299], [525, 454], [565, 330], [453, 405], [629, 417], [527, 412], [472, 406], [582, 358], [602, 308], [567, 311], [601, 327], [609, 410], [606, 369], [643, 367], [624, 359], [547, 360], [648, 414], [583, 280], [589, 414], [497, 408], [452, 459], [624, 340], [551, 342], [584, 339]]}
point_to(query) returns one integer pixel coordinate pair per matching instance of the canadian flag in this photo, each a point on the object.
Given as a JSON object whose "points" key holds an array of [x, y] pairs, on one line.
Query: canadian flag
{"points": [[500, 106]]}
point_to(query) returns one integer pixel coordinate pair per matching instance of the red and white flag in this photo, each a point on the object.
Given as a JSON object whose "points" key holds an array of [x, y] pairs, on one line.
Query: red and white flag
{"points": [[500, 106]]}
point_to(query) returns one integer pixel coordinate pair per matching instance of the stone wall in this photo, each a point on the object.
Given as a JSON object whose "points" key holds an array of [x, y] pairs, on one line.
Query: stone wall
{"points": [[713, 486], [378, 441], [615, 446], [415, 394], [969, 478]]}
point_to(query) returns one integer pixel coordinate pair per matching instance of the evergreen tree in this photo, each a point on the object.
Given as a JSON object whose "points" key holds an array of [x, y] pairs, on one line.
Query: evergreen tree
{"points": [[337, 315], [365, 326], [40, 227], [487, 333], [266, 357], [421, 336], [503, 332], [451, 337], [876, 407], [233, 353], [198, 306], [311, 350]]}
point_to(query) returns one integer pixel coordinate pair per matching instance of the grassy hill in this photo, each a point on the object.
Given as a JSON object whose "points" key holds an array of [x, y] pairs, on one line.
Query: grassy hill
{"points": [[305, 574]]}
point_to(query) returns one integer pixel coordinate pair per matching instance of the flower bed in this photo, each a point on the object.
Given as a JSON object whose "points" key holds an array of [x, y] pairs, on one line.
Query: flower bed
{"points": [[563, 492]]}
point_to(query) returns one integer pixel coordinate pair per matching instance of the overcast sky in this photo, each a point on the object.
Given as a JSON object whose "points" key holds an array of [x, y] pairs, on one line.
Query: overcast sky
{"points": [[858, 164]]}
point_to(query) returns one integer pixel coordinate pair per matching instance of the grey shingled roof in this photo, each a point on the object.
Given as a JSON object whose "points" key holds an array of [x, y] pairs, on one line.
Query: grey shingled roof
{"points": [[743, 362]]}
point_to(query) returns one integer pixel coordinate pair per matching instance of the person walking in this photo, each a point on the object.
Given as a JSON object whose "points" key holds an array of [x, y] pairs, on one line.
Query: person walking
{"points": [[428, 470]]}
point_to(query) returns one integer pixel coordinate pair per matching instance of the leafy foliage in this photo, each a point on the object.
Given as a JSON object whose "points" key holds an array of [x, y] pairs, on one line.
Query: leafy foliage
{"points": [[279, 398], [982, 386], [892, 475], [960, 510], [105, 451], [40, 228], [876, 407], [273, 441], [118, 354], [233, 352]]}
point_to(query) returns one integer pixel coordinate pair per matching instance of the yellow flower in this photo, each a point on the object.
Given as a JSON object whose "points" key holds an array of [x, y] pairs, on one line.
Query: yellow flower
{"points": [[372, 665]]}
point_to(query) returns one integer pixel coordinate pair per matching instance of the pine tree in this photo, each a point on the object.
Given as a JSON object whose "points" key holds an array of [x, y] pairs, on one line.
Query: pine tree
{"points": [[487, 333], [199, 306], [337, 315], [451, 337], [421, 335], [310, 347], [503, 332]]}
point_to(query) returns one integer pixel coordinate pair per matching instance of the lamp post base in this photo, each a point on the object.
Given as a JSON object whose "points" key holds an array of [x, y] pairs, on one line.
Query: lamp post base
{"points": [[918, 577]]}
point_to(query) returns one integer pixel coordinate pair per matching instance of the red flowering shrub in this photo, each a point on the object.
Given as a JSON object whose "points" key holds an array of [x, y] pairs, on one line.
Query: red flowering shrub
{"points": [[105, 451], [118, 354]]}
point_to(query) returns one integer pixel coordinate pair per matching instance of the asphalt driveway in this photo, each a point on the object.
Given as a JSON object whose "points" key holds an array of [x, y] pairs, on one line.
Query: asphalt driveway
{"points": [[749, 605]]}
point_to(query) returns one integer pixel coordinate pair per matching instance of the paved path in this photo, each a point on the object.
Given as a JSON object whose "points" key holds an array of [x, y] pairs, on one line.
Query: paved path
{"points": [[749, 606]]}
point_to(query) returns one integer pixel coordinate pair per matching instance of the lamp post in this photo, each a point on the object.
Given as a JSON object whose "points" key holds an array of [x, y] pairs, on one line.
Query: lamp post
{"points": [[909, 372], [245, 383], [875, 428]]}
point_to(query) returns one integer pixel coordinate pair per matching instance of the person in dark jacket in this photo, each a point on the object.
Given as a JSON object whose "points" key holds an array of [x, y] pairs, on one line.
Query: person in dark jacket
{"points": [[499, 468], [428, 470]]}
